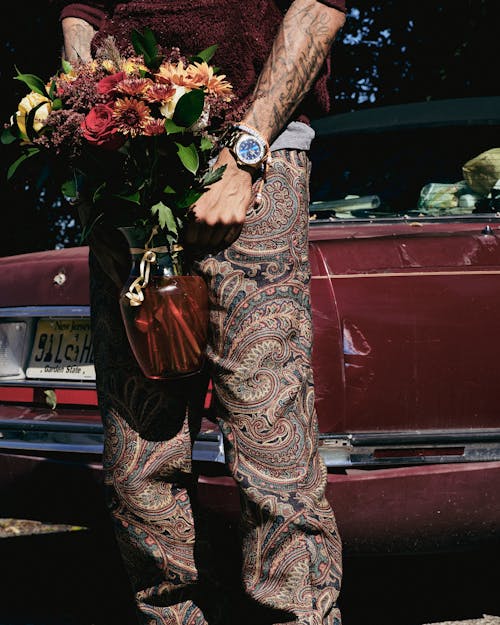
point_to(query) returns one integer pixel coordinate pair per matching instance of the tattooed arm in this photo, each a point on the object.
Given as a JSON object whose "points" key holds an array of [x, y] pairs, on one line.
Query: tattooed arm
{"points": [[77, 34], [299, 50]]}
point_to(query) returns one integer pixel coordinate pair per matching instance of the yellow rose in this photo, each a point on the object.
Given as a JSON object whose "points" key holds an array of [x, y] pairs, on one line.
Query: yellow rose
{"points": [[27, 104], [132, 67], [109, 66], [168, 109]]}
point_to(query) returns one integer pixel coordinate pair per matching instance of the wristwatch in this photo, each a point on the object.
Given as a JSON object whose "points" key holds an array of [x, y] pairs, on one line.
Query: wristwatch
{"points": [[249, 148]]}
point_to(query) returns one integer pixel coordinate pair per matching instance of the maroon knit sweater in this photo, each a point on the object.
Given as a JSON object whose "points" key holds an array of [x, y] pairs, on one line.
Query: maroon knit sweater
{"points": [[243, 29]]}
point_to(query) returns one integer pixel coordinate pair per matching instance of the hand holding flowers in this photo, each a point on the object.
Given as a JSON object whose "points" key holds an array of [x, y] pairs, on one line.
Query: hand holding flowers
{"points": [[135, 135]]}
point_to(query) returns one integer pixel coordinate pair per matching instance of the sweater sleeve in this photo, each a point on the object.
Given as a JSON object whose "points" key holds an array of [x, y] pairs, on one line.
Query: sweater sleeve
{"points": [[91, 12], [336, 4]]}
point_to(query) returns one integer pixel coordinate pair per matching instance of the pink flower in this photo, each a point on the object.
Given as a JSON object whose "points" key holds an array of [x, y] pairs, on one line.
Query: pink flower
{"points": [[99, 128]]}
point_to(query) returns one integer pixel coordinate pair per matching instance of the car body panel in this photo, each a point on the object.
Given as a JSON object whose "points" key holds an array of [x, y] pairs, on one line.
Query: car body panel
{"points": [[406, 326], [415, 308]]}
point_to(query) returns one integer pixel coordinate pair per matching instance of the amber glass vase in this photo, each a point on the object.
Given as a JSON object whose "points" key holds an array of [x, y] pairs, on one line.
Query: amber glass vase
{"points": [[166, 318]]}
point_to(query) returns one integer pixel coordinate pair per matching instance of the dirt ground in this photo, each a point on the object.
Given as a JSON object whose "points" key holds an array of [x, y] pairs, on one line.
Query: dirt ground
{"points": [[21, 527], [486, 620], [412, 589]]}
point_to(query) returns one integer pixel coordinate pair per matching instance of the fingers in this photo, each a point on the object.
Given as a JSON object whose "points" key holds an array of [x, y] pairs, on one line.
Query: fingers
{"points": [[201, 236], [231, 235]]}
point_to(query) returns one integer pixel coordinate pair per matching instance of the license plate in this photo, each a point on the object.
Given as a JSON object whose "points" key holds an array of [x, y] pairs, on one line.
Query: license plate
{"points": [[62, 350]]}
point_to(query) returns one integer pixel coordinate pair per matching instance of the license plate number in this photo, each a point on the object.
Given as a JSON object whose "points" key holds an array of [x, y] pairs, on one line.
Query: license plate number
{"points": [[62, 349]]}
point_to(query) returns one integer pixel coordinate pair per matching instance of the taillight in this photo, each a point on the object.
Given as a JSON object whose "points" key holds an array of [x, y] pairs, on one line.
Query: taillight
{"points": [[13, 335]]}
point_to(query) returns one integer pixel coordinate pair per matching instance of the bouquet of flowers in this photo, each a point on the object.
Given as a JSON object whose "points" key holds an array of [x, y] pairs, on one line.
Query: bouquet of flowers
{"points": [[133, 134]]}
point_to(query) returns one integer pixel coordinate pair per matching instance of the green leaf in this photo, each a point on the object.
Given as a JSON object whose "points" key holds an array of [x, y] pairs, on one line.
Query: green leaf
{"points": [[57, 104], [206, 54], [8, 135], [69, 188], [87, 229], [52, 90], [189, 198], [30, 120], [205, 144], [165, 217], [145, 43], [189, 108], [189, 157], [135, 197], [168, 190], [50, 398], [99, 192], [213, 175], [66, 66], [34, 82], [12, 169], [172, 128]]}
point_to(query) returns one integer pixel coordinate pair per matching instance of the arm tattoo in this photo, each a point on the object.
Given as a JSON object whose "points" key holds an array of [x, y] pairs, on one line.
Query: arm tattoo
{"points": [[299, 50]]}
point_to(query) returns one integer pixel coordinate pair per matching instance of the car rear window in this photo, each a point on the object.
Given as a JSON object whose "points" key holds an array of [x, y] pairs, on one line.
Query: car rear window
{"points": [[416, 172]]}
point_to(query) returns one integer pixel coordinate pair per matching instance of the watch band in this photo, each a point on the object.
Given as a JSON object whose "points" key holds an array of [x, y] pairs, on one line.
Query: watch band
{"points": [[229, 139], [235, 131]]}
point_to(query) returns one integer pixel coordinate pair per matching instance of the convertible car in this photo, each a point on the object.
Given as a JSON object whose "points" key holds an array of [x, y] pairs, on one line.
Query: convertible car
{"points": [[405, 258]]}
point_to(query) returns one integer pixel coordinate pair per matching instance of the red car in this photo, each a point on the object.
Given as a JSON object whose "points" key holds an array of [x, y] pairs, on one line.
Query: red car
{"points": [[406, 302]]}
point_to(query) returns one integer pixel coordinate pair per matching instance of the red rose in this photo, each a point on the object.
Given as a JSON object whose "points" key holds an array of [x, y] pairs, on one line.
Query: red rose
{"points": [[99, 128], [108, 83]]}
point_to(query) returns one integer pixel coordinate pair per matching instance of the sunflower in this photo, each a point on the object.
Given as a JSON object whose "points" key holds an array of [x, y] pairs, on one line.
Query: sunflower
{"points": [[154, 127], [134, 86], [202, 75], [109, 66], [133, 66], [131, 116], [159, 93], [172, 73]]}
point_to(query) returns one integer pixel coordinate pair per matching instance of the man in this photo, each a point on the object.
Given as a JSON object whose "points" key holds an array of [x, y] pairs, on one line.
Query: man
{"points": [[254, 258]]}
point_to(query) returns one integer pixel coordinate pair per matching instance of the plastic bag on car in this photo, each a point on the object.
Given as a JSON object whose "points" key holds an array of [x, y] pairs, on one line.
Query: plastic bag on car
{"points": [[482, 172]]}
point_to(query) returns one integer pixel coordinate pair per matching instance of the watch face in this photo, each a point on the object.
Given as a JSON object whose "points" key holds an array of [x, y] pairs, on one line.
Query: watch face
{"points": [[249, 150]]}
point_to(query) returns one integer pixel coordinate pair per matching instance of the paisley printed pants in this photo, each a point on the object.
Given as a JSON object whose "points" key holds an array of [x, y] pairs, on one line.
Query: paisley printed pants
{"points": [[259, 356]]}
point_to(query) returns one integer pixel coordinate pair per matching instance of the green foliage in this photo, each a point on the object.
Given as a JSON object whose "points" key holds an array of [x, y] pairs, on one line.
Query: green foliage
{"points": [[9, 135], [66, 66], [35, 83], [69, 188], [172, 128], [28, 154], [145, 43], [204, 55], [213, 175], [189, 157], [206, 144], [30, 120], [50, 398], [165, 217], [189, 108]]}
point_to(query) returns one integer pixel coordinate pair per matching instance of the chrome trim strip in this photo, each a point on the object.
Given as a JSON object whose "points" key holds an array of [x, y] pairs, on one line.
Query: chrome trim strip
{"points": [[45, 311], [398, 221], [24, 426], [85, 438], [409, 274], [338, 451], [410, 448], [46, 383], [430, 437], [48, 447]]}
